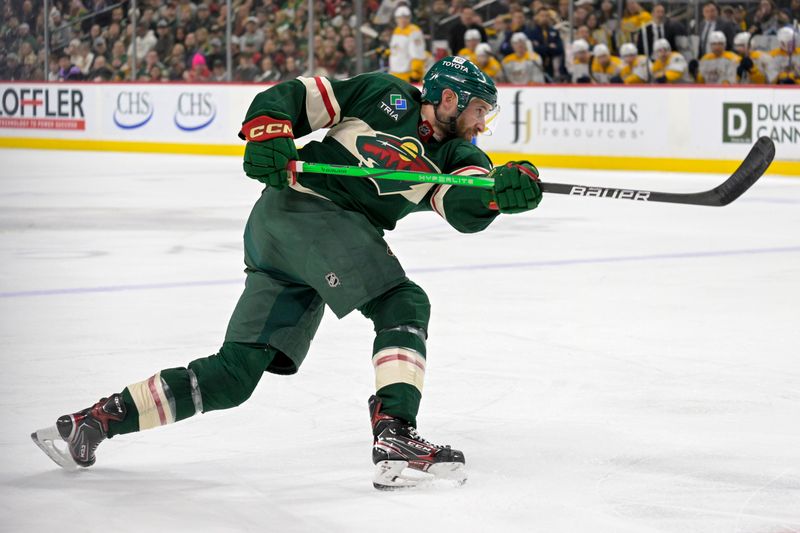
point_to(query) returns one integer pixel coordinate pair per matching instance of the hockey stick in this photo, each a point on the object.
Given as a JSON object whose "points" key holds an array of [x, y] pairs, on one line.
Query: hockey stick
{"points": [[752, 168]]}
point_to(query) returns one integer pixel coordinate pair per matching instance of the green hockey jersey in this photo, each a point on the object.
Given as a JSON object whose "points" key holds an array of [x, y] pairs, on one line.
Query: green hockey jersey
{"points": [[374, 120]]}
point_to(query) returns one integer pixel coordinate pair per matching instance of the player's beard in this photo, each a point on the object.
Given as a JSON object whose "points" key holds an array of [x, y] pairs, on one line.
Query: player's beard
{"points": [[464, 130], [455, 125]]}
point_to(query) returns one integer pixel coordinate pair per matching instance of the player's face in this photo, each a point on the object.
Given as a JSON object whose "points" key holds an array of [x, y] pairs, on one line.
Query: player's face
{"points": [[718, 48], [472, 120]]}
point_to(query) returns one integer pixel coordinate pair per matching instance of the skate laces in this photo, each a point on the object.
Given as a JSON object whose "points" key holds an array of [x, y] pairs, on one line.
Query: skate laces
{"points": [[412, 432]]}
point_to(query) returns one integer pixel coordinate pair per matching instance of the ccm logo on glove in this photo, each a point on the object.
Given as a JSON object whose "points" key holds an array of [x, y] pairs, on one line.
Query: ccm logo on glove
{"points": [[263, 128]]}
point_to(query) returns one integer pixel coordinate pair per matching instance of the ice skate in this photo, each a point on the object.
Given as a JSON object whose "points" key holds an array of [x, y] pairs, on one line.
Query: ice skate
{"points": [[81, 433], [403, 459]]}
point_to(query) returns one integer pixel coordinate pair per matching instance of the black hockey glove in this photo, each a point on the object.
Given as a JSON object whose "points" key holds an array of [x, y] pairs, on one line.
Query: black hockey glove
{"points": [[694, 66], [516, 188], [661, 79], [270, 147], [616, 79]]}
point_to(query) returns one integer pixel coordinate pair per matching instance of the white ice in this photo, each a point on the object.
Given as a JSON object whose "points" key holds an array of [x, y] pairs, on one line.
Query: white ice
{"points": [[606, 366]]}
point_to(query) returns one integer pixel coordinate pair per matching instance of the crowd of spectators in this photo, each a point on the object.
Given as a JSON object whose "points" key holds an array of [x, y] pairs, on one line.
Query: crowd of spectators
{"points": [[186, 39]]}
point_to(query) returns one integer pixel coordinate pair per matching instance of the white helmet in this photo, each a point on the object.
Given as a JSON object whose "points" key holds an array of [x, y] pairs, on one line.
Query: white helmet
{"points": [[519, 37], [402, 11], [662, 44], [717, 37], [472, 35], [483, 49], [785, 35], [580, 45], [742, 39], [628, 49], [600, 50]]}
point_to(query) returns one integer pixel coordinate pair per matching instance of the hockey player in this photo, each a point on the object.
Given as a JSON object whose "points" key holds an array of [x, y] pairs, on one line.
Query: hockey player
{"points": [[634, 66], [472, 39], [315, 240], [581, 59], [523, 66], [487, 62], [754, 64], [604, 65], [407, 48], [785, 59], [719, 65], [669, 66]]}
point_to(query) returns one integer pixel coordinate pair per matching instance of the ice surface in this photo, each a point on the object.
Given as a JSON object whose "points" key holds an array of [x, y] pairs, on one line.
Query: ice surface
{"points": [[606, 366]]}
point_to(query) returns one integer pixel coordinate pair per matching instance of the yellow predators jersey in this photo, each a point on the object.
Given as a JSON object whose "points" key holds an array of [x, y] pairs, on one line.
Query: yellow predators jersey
{"points": [[579, 70], [467, 53], [718, 68], [407, 53], [636, 72], [674, 68], [758, 73], [633, 23], [784, 68], [523, 70], [602, 74], [492, 68]]}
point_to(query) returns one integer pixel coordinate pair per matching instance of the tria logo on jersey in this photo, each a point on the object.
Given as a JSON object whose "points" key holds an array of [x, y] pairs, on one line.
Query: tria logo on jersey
{"points": [[393, 105]]}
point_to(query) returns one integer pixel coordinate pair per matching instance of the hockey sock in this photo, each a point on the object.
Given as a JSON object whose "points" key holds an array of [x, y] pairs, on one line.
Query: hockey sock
{"points": [[399, 361], [166, 397], [220, 381], [401, 317]]}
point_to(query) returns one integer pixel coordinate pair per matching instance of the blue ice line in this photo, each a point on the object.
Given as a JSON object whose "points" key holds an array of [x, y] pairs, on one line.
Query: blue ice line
{"points": [[431, 270]]}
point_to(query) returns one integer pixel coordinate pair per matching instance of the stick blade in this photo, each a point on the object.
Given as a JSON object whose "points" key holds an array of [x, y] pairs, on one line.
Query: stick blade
{"points": [[752, 168]]}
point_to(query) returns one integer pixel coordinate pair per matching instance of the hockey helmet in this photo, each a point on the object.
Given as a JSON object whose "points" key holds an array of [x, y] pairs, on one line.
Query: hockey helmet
{"points": [[580, 45], [716, 37], [786, 37], [628, 49], [600, 50], [742, 40], [461, 76], [472, 35], [662, 44], [519, 37], [483, 49]]}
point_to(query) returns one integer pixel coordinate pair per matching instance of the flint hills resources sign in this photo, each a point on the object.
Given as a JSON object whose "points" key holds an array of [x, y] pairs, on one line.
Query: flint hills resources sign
{"points": [[743, 122]]}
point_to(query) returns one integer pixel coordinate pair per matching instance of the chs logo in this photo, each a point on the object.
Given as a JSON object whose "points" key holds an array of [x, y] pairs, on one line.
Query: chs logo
{"points": [[133, 110], [195, 111], [737, 123]]}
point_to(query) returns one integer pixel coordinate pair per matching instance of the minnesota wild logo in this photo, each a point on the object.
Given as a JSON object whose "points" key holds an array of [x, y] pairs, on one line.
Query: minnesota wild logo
{"points": [[387, 151]]}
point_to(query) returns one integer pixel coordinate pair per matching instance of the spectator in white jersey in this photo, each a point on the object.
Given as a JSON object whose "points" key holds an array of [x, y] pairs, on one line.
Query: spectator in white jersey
{"points": [[718, 66], [522, 66], [581, 62]]}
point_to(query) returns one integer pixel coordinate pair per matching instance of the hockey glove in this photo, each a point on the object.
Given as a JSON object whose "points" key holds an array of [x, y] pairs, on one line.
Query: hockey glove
{"points": [[745, 65], [270, 147], [515, 189]]}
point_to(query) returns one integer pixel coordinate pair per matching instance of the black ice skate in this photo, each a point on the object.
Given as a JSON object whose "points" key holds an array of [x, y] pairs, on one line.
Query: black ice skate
{"points": [[82, 431], [404, 459]]}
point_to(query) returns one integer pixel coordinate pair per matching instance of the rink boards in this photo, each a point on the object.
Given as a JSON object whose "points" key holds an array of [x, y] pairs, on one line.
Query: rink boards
{"points": [[682, 128]]}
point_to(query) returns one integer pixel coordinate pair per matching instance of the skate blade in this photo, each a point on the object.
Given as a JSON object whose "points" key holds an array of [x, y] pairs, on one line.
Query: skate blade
{"points": [[46, 440], [396, 475]]}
